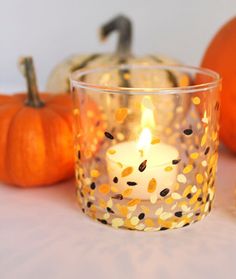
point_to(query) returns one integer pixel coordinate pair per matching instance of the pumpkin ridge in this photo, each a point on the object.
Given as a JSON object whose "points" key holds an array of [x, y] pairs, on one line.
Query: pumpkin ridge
{"points": [[7, 158], [66, 173], [61, 116]]}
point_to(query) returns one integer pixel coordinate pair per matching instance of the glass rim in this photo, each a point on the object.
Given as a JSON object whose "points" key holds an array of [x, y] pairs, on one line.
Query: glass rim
{"points": [[76, 80]]}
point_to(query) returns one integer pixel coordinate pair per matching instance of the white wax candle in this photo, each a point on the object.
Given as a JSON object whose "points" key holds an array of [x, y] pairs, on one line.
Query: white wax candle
{"points": [[156, 176]]}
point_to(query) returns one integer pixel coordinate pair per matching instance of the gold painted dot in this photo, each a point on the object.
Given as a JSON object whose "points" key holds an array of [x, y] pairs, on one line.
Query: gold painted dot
{"points": [[194, 155], [121, 114], [111, 151], [94, 173], [199, 178], [114, 189], [127, 171], [169, 200], [155, 141], [152, 185], [104, 189], [168, 168], [203, 140], [188, 169], [196, 100]]}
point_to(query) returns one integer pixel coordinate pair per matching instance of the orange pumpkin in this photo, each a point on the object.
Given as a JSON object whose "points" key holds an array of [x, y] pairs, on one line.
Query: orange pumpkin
{"points": [[221, 57], [36, 141]]}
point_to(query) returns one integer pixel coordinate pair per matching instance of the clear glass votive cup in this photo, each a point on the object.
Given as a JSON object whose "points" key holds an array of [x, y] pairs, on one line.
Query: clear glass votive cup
{"points": [[146, 147]]}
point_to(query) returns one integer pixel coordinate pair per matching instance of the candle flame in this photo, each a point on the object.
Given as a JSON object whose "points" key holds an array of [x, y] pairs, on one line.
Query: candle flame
{"points": [[147, 123]]}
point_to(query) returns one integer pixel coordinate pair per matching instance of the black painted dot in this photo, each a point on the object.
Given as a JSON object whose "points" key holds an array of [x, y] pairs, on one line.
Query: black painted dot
{"points": [[207, 150], [176, 161], [93, 185], [188, 132], [118, 197], [141, 216], [189, 196], [102, 221], [110, 210], [108, 135], [79, 154], [178, 214], [163, 229], [131, 183], [83, 210], [115, 179], [164, 192], [208, 197], [185, 225], [199, 199], [142, 166], [89, 203], [197, 214]]}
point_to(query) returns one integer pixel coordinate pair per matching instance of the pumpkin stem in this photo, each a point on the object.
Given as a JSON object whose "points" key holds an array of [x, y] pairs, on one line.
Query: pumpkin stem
{"points": [[27, 69], [123, 26]]}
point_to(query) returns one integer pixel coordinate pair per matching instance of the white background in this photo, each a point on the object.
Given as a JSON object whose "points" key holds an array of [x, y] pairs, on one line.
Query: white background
{"points": [[50, 30]]}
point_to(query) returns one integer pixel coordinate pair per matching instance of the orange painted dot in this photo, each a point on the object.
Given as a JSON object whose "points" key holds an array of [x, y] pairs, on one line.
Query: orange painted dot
{"points": [[199, 178], [149, 222], [184, 81], [123, 210], [127, 192], [104, 189], [152, 185], [121, 114], [134, 202], [127, 171]]}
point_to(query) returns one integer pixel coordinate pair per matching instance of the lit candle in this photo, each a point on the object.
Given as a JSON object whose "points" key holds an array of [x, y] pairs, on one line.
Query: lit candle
{"points": [[145, 168]]}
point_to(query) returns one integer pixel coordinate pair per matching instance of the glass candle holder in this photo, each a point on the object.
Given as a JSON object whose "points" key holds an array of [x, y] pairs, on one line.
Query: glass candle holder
{"points": [[146, 151]]}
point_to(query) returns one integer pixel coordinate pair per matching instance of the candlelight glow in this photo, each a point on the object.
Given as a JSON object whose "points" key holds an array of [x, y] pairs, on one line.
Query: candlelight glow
{"points": [[147, 123]]}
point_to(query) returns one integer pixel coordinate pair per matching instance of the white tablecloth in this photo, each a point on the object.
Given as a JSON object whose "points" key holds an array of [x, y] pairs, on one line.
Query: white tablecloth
{"points": [[43, 234]]}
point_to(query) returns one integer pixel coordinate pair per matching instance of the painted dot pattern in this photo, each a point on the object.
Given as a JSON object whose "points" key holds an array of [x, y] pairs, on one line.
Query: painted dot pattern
{"points": [[168, 206]]}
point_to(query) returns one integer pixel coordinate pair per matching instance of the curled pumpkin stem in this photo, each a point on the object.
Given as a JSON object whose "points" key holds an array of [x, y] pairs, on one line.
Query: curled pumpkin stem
{"points": [[27, 68], [123, 26]]}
